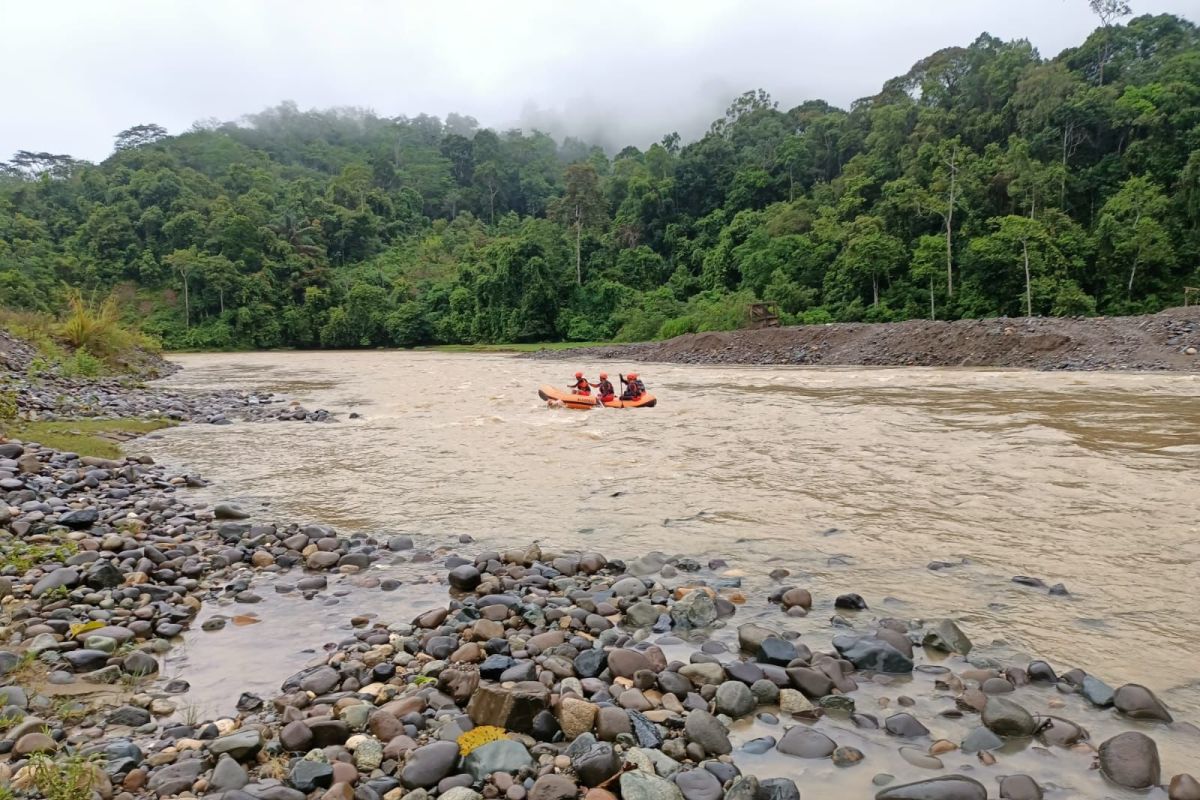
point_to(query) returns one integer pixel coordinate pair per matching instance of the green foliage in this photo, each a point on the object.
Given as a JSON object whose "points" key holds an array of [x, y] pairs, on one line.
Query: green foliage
{"points": [[345, 229], [69, 778], [20, 556]]}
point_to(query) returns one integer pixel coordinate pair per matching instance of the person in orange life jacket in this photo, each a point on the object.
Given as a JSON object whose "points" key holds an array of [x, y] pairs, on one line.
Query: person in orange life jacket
{"points": [[634, 388], [581, 385], [605, 388]]}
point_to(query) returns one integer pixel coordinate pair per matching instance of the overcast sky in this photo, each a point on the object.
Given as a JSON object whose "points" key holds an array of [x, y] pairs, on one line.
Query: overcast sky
{"points": [[75, 72]]}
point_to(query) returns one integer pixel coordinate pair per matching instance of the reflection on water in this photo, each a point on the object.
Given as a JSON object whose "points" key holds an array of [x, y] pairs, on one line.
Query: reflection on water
{"points": [[853, 479]]}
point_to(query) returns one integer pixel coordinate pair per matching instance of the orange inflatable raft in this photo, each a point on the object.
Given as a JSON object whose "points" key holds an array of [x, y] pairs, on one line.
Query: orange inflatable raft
{"points": [[564, 397]]}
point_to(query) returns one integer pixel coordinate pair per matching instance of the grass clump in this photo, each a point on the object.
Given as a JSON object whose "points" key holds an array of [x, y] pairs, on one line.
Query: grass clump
{"points": [[70, 778], [21, 555], [87, 437]]}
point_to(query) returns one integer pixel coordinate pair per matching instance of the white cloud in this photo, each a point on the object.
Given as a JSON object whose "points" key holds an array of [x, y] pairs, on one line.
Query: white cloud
{"points": [[78, 72]]}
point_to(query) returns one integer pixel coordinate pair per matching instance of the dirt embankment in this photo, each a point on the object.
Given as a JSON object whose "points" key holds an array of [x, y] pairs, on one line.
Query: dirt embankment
{"points": [[1166, 341]]}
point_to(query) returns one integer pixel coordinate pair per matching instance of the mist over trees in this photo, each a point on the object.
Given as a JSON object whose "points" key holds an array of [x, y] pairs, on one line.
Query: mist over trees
{"points": [[984, 181]]}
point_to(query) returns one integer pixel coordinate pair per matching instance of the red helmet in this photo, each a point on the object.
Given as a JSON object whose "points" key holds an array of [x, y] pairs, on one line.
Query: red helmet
{"points": [[578, 374], [633, 376], [603, 376]]}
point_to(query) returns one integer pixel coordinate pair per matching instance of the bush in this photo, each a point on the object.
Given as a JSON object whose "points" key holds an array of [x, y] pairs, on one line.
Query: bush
{"points": [[8, 404], [82, 365], [94, 328], [816, 316], [677, 327]]}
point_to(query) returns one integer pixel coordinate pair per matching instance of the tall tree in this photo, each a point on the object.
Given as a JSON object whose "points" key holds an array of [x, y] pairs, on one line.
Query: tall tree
{"points": [[581, 205]]}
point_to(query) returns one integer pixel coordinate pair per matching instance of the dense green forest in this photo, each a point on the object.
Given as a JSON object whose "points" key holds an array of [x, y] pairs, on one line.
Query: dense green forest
{"points": [[985, 181]]}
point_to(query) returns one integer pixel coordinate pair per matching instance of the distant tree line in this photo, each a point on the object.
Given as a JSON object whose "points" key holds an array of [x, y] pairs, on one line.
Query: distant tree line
{"points": [[984, 181]]}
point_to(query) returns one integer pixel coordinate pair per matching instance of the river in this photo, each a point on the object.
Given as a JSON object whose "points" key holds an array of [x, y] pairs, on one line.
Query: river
{"points": [[852, 479]]}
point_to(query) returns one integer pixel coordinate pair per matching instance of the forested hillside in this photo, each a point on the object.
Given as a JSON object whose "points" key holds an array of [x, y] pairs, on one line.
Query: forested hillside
{"points": [[985, 181]]}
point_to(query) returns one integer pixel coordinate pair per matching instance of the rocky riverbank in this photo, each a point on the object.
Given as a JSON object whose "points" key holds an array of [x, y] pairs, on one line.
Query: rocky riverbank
{"points": [[1166, 341], [545, 676]]}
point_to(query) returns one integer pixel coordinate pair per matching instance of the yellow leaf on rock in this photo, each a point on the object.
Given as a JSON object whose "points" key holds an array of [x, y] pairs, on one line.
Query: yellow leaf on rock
{"points": [[83, 627]]}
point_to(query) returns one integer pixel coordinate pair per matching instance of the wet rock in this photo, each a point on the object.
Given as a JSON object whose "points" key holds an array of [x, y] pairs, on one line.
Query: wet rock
{"points": [[1097, 692], [639, 785], [429, 764], [1006, 718], [734, 699], [905, 725], [949, 787], [806, 743], [847, 756], [1020, 787], [853, 602], [981, 739], [1131, 760], [778, 789], [464, 578], [1183, 787], [870, 653], [698, 784], [751, 636], [1138, 702], [919, 758], [1041, 672], [773, 650], [947, 637], [695, 610], [705, 730]]}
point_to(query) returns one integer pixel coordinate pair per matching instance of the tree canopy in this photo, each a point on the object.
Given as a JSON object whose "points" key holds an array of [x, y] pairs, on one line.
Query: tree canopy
{"points": [[986, 180]]}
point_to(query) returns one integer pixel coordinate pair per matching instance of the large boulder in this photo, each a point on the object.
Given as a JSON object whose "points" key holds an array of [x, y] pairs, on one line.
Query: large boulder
{"points": [[512, 707], [872, 653], [1131, 760]]}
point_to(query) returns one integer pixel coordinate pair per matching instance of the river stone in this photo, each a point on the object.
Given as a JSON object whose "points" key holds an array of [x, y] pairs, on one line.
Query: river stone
{"points": [[128, 715], [751, 636], [590, 663], [553, 787], [576, 716], [1130, 759], [512, 707], [503, 755], [734, 699], [793, 701], [705, 672], [62, 577], [623, 663], [949, 787], [78, 520], [31, 743], [629, 587], [1183, 787], [1135, 700], [228, 774], [296, 737], [1020, 787], [429, 764], [698, 784], [639, 785], [806, 743], [641, 614], [696, 609], [464, 578], [705, 730], [238, 745], [980, 739], [1096, 691], [596, 764], [1006, 718], [905, 725], [778, 789], [948, 637], [307, 775], [851, 601], [175, 778], [871, 653], [920, 758]]}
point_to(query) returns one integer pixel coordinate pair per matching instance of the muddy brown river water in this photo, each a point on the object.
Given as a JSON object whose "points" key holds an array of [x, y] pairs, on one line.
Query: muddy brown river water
{"points": [[852, 479]]}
